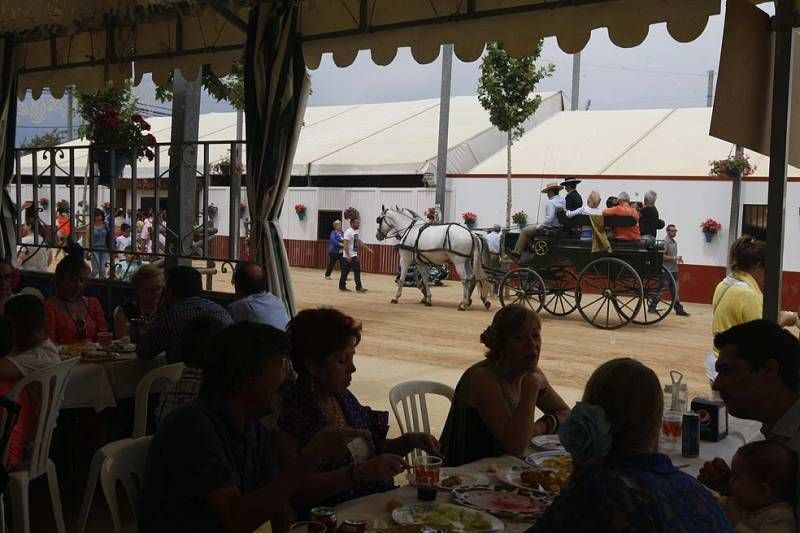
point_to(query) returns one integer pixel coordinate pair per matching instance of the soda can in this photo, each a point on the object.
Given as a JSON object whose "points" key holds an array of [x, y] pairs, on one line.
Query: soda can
{"points": [[353, 526], [690, 440], [135, 329], [325, 516]]}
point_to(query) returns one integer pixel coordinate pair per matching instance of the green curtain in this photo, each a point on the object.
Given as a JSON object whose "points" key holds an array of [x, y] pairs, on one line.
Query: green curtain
{"points": [[8, 126], [276, 90]]}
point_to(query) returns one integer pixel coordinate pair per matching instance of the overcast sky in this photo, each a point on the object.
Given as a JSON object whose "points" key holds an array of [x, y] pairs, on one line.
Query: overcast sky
{"points": [[659, 73]]}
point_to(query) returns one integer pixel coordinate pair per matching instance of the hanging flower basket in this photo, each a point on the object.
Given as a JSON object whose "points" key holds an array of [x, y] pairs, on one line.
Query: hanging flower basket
{"points": [[300, 209], [732, 167], [520, 218], [470, 219], [710, 227], [351, 213]]}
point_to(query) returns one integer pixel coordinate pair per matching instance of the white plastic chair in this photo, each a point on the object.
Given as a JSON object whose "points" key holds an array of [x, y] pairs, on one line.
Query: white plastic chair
{"points": [[124, 463], [410, 398], [154, 381], [51, 384]]}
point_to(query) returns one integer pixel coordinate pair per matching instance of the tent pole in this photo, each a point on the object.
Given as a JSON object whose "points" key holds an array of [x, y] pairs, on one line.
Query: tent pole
{"points": [[779, 144], [444, 123], [182, 202]]}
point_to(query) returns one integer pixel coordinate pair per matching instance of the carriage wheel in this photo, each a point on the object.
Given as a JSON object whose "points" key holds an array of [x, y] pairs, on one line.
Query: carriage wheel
{"points": [[662, 296], [560, 299], [609, 293], [522, 286]]}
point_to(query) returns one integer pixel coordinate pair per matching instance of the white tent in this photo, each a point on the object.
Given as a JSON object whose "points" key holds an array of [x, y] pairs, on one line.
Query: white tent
{"points": [[651, 142], [390, 138]]}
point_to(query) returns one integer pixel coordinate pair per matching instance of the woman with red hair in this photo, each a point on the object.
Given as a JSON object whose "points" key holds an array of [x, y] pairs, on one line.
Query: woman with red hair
{"points": [[323, 344]]}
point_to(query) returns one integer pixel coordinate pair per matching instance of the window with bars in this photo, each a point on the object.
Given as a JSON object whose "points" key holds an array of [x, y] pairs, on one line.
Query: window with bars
{"points": [[754, 221], [325, 223]]}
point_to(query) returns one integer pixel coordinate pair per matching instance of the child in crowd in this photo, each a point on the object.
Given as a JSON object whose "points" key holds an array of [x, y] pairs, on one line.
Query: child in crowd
{"points": [[123, 240], [762, 487], [127, 267]]}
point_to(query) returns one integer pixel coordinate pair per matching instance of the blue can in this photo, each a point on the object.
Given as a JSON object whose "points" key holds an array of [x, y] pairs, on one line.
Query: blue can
{"points": [[690, 439]]}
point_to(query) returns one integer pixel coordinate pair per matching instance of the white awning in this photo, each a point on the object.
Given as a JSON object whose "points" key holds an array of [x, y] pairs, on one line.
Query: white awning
{"points": [[70, 41]]}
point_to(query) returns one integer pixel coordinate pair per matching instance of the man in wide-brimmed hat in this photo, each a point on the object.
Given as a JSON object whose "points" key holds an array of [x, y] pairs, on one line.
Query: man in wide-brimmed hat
{"points": [[554, 202], [573, 198]]}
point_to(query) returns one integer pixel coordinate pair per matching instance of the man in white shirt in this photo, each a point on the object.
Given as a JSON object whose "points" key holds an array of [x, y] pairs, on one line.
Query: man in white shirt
{"points": [[351, 244], [29, 255], [32, 350], [493, 245], [255, 303]]}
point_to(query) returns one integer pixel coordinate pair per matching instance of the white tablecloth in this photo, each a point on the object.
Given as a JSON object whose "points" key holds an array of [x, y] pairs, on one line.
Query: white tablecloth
{"points": [[741, 432], [99, 385]]}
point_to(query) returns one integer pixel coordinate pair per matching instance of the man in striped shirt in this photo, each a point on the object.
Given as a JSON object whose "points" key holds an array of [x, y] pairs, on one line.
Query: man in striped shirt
{"points": [[183, 304]]}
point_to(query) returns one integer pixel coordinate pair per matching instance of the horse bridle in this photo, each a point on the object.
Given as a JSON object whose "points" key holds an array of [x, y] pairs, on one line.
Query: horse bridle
{"points": [[395, 232]]}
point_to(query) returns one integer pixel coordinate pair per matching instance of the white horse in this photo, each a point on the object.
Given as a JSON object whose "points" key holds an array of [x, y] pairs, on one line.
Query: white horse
{"points": [[423, 244]]}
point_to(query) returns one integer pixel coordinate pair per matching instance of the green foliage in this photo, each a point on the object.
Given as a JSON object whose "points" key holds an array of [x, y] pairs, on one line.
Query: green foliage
{"points": [[45, 140], [506, 86], [229, 88], [110, 119]]}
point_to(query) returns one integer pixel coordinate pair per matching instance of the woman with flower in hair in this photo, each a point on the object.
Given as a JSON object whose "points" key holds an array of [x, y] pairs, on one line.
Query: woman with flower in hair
{"points": [[620, 482], [495, 401]]}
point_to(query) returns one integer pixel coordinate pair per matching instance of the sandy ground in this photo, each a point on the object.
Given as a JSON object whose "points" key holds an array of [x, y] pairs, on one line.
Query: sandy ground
{"points": [[410, 341]]}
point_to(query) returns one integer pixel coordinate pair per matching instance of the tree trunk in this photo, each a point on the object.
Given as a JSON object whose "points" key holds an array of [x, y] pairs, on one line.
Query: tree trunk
{"points": [[508, 182]]}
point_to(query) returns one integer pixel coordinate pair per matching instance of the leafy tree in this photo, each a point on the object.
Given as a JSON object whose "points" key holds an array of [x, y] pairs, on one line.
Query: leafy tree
{"points": [[229, 88], [45, 140], [505, 90]]}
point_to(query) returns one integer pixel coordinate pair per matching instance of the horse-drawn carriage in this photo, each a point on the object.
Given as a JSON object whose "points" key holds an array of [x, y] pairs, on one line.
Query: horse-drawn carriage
{"points": [[560, 273]]}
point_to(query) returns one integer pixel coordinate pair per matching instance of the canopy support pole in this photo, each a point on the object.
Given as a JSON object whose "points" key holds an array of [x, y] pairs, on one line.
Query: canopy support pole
{"points": [[779, 147], [182, 202], [444, 124]]}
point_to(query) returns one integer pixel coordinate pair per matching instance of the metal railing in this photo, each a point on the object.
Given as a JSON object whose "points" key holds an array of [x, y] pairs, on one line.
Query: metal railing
{"points": [[50, 173]]}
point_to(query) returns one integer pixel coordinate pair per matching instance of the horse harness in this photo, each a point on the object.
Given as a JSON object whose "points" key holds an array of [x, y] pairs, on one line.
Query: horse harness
{"points": [[419, 255]]}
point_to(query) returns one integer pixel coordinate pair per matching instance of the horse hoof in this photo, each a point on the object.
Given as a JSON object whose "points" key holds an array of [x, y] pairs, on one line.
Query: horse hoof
{"points": [[461, 307], [487, 304], [428, 304], [393, 300], [423, 301]]}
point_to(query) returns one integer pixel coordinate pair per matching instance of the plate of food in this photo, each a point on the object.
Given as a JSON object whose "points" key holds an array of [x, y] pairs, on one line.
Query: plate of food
{"points": [[446, 515], [555, 459], [537, 479], [98, 356], [121, 347], [547, 442], [501, 501], [455, 478]]}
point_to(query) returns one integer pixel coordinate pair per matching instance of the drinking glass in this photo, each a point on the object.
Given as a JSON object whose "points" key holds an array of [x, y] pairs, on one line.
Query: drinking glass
{"points": [[671, 431], [426, 476], [104, 338]]}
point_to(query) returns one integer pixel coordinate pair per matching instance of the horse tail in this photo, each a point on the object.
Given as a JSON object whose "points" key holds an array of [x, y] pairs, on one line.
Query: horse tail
{"points": [[480, 254]]}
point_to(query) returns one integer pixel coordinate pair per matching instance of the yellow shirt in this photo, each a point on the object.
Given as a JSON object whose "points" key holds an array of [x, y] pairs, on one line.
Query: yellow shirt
{"points": [[737, 299]]}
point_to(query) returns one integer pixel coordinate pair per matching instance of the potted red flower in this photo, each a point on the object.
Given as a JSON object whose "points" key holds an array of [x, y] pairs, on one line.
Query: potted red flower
{"points": [[300, 209], [470, 219], [710, 227], [113, 126], [430, 214]]}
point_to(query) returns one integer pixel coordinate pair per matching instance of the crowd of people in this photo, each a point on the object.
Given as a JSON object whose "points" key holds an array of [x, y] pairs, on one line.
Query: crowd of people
{"points": [[35, 251]]}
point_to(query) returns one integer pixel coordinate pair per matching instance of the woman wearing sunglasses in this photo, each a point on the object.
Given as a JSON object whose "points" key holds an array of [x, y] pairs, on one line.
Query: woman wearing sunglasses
{"points": [[73, 318]]}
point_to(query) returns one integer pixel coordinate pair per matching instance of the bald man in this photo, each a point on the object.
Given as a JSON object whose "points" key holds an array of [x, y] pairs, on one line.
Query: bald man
{"points": [[254, 303]]}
